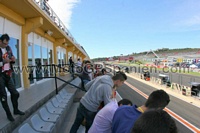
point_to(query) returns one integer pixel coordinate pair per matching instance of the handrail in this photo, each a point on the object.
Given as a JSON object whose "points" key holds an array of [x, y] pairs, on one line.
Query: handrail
{"points": [[55, 72]]}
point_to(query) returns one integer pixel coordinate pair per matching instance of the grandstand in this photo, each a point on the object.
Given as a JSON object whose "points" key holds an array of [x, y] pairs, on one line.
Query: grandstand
{"points": [[165, 52], [161, 54]]}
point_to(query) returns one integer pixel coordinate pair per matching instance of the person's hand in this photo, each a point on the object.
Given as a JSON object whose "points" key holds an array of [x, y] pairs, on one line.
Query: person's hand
{"points": [[13, 58], [6, 60], [113, 93]]}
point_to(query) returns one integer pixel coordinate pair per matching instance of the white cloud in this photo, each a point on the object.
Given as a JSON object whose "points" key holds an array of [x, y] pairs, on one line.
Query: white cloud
{"points": [[191, 23], [63, 9], [195, 20]]}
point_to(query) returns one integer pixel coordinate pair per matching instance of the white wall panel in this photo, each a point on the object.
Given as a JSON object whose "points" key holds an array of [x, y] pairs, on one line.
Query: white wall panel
{"points": [[30, 37], [58, 48], [37, 39], [75, 57], [70, 54], [44, 43], [64, 50], [1, 25], [50, 45], [12, 29]]}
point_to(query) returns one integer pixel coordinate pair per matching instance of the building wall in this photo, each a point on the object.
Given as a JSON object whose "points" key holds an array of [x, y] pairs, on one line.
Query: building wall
{"points": [[40, 52], [14, 31], [31, 44]]}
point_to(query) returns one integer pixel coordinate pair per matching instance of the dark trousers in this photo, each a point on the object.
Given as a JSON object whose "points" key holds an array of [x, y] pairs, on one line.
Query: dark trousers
{"points": [[82, 113], [6, 81], [71, 68]]}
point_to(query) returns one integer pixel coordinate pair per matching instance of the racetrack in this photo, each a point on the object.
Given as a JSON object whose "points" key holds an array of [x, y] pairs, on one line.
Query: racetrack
{"points": [[187, 111]]}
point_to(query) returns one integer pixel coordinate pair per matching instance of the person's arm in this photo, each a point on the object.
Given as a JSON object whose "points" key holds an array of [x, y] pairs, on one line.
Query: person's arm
{"points": [[89, 84], [107, 94]]}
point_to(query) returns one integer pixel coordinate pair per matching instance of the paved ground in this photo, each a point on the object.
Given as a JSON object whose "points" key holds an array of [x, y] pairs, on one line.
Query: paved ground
{"points": [[28, 98]]}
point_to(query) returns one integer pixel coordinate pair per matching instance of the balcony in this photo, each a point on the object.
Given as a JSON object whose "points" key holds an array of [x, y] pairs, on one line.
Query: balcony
{"points": [[45, 7]]}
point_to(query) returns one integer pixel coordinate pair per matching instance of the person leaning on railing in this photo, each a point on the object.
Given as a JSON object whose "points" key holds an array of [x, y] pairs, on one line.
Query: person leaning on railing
{"points": [[125, 117], [98, 90]]}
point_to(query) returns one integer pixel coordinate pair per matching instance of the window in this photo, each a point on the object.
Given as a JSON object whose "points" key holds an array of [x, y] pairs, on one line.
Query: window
{"points": [[58, 57], [30, 62], [64, 57], [50, 53], [38, 68], [45, 61], [14, 44]]}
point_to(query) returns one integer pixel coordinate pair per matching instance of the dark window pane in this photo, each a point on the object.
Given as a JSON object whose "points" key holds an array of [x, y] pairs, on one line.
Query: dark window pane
{"points": [[14, 44], [38, 69], [30, 63]]}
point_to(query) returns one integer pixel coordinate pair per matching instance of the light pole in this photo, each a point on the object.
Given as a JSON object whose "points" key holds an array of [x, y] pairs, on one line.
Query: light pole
{"points": [[121, 56]]}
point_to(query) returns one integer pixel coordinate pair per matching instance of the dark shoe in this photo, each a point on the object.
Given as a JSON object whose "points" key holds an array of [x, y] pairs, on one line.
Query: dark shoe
{"points": [[10, 118], [18, 112]]}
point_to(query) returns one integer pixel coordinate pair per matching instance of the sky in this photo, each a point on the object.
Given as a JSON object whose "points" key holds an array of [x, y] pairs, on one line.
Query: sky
{"points": [[107, 28]]}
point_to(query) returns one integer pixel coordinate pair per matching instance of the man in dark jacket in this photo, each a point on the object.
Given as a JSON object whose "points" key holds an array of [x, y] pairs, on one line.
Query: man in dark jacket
{"points": [[71, 65], [6, 60]]}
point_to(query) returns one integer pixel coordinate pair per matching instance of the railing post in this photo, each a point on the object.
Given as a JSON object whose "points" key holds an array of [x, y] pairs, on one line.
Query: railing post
{"points": [[55, 78], [42, 4]]}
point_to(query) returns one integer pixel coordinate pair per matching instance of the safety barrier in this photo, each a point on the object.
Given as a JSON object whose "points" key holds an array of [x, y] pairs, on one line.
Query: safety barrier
{"points": [[182, 89], [152, 80], [141, 76], [174, 87], [134, 74], [158, 81]]}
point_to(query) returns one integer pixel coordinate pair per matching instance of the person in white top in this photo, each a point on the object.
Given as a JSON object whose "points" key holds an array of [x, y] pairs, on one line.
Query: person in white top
{"points": [[103, 120], [79, 63], [6, 60]]}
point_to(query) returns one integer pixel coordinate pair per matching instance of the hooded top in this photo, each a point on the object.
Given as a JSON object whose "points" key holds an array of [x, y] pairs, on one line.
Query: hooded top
{"points": [[98, 90]]}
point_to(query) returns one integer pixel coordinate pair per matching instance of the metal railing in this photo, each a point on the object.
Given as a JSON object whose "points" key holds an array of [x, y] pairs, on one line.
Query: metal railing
{"points": [[54, 70]]}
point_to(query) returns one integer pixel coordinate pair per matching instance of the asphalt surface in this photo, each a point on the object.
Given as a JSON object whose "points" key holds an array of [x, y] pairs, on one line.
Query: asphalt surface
{"points": [[185, 110]]}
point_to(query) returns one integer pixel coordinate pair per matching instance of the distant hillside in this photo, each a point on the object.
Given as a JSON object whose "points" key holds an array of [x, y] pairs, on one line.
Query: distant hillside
{"points": [[164, 52], [167, 50]]}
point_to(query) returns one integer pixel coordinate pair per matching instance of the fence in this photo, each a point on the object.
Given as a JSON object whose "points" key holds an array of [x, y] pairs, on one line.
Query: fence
{"points": [[179, 83]]}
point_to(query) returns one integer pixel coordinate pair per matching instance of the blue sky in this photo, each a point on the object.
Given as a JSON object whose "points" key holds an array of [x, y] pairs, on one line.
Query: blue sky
{"points": [[107, 28]]}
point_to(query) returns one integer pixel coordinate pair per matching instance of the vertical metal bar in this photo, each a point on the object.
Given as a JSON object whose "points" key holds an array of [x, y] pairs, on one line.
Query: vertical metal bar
{"points": [[181, 80], [55, 78]]}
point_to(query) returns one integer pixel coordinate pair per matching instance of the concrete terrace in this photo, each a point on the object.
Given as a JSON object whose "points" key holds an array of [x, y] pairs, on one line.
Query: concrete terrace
{"points": [[31, 99]]}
